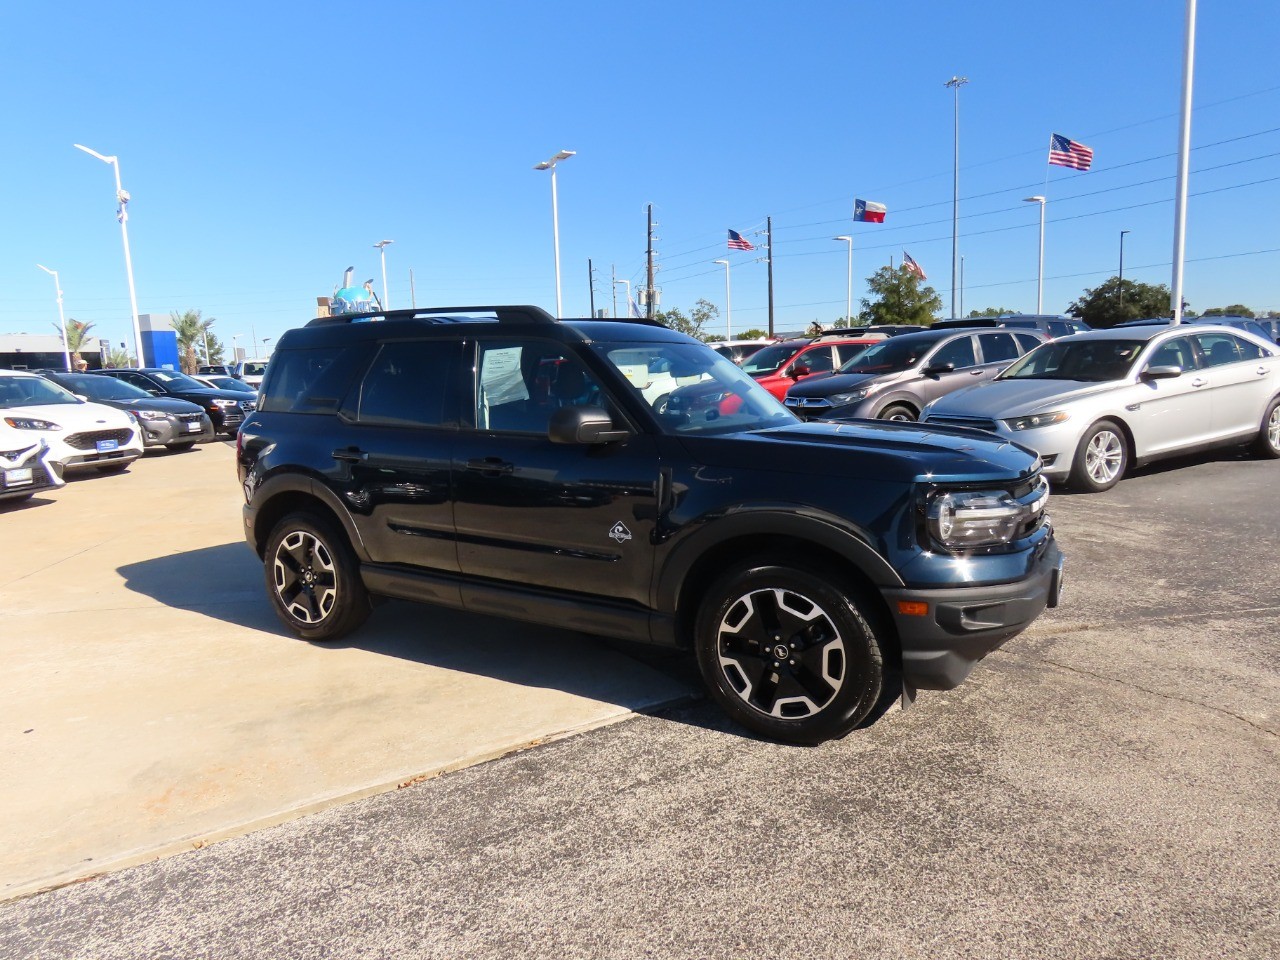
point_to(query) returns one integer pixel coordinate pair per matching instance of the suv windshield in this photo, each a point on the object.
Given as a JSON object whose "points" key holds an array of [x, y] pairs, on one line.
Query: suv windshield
{"points": [[1089, 360], [713, 395], [31, 392], [770, 358], [890, 356]]}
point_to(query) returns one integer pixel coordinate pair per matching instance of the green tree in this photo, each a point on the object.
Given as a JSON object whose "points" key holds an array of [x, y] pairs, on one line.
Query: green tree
{"points": [[77, 336], [1235, 310], [190, 328], [703, 312], [1101, 307], [899, 297], [753, 334], [991, 312], [118, 358], [703, 315]]}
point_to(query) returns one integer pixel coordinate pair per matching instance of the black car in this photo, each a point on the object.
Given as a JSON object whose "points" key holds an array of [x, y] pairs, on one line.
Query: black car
{"points": [[511, 465], [226, 408], [164, 421]]}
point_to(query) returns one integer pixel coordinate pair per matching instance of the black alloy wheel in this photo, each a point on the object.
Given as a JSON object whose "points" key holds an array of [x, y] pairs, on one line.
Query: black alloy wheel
{"points": [[787, 653], [313, 578]]}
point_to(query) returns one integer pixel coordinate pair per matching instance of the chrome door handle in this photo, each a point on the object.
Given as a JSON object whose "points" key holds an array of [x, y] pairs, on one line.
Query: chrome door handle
{"points": [[1199, 382], [1263, 371], [491, 465]]}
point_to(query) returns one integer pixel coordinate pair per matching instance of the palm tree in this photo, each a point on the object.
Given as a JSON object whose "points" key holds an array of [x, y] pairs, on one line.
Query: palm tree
{"points": [[77, 334], [192, 336]]}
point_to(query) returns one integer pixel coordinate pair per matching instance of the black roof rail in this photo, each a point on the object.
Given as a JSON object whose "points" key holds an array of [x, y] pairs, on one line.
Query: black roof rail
{"points": [[520, 313]]}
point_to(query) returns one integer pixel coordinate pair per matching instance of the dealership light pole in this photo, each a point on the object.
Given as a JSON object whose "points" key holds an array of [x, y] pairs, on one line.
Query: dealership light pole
{"points": [[235, 347], [1121, 278], [848, 296], [956, 83], [1040, 271], [627, 284], [1184, 163], [728, 303], [555, 215], [382, 251], [122, 215], [62, 320]]}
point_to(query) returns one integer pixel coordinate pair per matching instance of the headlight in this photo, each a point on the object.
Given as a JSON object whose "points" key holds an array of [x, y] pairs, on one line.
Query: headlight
{"points": [[31, 423], [219, 402], [149, 415], [840, 399], [965, 519], [1037, 420]]}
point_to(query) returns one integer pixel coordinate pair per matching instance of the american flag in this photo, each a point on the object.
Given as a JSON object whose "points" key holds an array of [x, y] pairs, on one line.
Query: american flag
{"points": [[913, 266], [738, 242], [1068, 153]]}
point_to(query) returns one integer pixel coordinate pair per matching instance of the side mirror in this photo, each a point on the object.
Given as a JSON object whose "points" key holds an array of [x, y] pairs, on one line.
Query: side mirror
{"points": [[584, 425], [1161, 372], [153, 391], [801, 370], [81, 397], [936, 368]]}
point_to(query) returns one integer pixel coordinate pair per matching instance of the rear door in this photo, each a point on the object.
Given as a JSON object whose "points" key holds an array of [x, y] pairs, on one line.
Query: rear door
{"points": [[1240, 379], [569, 517]]}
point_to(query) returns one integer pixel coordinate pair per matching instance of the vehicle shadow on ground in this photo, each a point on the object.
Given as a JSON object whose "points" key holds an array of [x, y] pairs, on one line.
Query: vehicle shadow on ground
{"points": [[1181, 462], [225, 583]]}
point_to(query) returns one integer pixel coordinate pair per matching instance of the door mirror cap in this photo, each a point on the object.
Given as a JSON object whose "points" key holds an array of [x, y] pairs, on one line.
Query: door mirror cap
{"points": [[1161, 372], [936, 368], [801, 370], [583, 425]]}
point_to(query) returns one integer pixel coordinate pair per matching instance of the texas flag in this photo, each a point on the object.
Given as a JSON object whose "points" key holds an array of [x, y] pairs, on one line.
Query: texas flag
{"points": [[866, 211]]}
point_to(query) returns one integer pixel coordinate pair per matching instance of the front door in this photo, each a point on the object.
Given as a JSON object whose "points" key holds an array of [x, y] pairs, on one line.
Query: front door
{"points": [[528, 511], [1173, 413]]}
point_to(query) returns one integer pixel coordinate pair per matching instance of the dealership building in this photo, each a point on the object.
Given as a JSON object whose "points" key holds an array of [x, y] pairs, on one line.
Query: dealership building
{"points": [[41, 351]]}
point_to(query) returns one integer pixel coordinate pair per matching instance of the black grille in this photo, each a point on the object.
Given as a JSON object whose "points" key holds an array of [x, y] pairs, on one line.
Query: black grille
{"points": [[249, 405], [973, 423], [89, 440], [191, 417]]}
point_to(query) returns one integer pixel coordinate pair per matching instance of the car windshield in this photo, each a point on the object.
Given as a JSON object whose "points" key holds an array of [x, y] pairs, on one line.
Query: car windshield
{"points": [[1094, 361], [97, 387], [231, 383], [769, 359], [172, 378], [890, 356], [710, 395], [32, 392]]}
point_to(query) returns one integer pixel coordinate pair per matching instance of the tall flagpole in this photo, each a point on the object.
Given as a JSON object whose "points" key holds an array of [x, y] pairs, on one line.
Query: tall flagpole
{"points": [[1184, 162]]}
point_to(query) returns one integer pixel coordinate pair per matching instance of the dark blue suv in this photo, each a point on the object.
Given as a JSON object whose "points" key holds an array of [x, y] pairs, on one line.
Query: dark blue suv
{"points": [[497, 460]]}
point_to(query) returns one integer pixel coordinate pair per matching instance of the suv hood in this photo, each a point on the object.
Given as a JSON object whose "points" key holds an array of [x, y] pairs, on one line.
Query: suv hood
{"points": [[872, 450], [73, 416], [998, 399], [157, 404], [837, 383]]}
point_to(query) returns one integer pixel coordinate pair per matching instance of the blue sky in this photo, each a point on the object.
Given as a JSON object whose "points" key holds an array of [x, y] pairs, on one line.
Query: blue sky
{"points": [[268, 146]]}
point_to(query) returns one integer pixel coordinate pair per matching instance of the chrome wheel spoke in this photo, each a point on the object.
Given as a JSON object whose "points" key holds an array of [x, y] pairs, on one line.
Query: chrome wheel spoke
{"points": [[306, 580]]}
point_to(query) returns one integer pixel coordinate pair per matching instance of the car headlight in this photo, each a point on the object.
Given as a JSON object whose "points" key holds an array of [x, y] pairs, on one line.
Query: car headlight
{"points": [[219, 402], [962, 519], [840, 399], [149, 415], [31, 423], [1037, 420]]}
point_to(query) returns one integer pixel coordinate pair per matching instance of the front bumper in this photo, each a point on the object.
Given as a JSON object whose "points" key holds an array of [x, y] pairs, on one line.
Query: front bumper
{"points": [[162, 433], [963, 624], [1055, 443]]}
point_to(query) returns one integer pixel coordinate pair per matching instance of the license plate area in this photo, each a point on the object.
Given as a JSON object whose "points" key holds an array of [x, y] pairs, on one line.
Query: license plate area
{"points": [[193, 428], [103, 446], [19, 477]]}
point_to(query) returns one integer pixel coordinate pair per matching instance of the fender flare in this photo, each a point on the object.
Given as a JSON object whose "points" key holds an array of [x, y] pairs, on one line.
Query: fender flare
{"points": [[286, 483]]}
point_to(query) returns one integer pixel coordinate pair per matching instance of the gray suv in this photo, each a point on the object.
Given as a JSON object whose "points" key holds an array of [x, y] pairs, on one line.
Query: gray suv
{"points": [[896, 378]]}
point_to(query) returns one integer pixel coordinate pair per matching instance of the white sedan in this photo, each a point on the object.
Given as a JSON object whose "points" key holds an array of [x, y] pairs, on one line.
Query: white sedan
{"points": [[79, 434], [1094, 404], [24, 465]]}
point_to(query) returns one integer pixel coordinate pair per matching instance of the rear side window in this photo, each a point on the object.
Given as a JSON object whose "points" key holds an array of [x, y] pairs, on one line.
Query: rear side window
{"points": [[997, 347], [1060, 328], [818, 360], [1219, 349], [1027, 341], [959, 352], [308, 381], [411, 384]]}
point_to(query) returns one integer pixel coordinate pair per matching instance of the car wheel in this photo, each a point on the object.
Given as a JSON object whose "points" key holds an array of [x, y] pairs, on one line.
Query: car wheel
{"points": [[661, 404], [313, 578], [1267, 443], [787, 653], [899, 412], [1101, 458]]}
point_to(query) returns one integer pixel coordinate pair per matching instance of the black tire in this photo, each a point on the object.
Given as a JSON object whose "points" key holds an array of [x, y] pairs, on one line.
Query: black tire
{"points": [[1101, 458], [22, 498], [660, 405], [313, 578], [899, 412], [786, 652], [117, 467], [1267, 443]]}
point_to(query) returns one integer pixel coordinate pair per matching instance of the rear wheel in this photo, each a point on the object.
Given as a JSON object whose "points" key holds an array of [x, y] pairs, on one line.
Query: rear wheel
{"points": [[899, 412], [1101, 458], [313, 578], [786, 652], [1267, 443]]}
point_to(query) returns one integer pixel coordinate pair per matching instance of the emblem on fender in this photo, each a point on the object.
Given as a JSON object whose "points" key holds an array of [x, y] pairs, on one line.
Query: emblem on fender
{"points": [[620, 532]]}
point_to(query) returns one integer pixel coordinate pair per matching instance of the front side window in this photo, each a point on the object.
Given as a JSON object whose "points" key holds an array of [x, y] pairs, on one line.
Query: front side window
{"points": [[521, 383], [818, 360], [958, 352], [1174, 353]]}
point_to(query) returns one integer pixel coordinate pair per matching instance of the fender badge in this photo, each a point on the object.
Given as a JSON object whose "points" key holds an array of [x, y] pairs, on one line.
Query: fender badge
{"points": [[620, 532]]}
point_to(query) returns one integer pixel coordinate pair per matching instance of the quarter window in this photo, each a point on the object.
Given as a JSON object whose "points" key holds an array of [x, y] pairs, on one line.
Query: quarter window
{"points": [[1219, 349]]}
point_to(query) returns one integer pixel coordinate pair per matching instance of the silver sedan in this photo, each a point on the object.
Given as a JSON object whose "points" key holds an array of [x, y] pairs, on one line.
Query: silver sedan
{"points": [[1095, 404]]}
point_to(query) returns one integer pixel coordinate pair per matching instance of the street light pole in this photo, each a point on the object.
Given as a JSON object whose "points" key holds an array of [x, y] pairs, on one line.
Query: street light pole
{"points": [[728, 303], [848, 296], [1184, 163], [1121, 279], [123, 199], [627, 284], [382, 250], [62, 320], [555, 215], [955, 83], [1040, 271], [235, 347]]}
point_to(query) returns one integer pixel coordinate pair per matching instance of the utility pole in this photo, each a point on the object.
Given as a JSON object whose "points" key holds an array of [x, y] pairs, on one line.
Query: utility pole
{"points": [[769, 227], [613, 285], [956, 83], [1184, 162], [648, 306], [591, 282], [1120, 279]]}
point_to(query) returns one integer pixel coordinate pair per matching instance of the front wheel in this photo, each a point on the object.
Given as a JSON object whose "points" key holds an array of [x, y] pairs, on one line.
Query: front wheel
{"points": [[313, 578], [787, 653], [1101, 458], [898, 412], [1267, 443]]}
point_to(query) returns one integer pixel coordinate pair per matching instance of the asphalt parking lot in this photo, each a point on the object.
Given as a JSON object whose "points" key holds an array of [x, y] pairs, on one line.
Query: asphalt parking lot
{"points": [[1104, 786]]}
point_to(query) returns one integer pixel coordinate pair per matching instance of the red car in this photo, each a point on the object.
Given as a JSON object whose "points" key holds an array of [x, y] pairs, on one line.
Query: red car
{"points": [[778, 366]]}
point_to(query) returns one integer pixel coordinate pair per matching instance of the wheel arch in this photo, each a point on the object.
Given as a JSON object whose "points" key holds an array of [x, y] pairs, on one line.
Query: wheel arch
{"points": [[280, 496], [899, 401]]}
